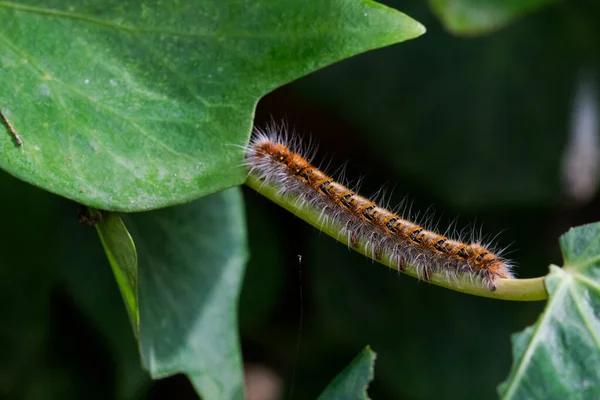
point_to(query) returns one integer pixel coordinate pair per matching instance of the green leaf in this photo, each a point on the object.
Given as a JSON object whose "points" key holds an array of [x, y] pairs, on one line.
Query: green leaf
{"points": [[473, 17], [191, 262], [558, 357], [353, 381], [139, 105], [122, 256]]}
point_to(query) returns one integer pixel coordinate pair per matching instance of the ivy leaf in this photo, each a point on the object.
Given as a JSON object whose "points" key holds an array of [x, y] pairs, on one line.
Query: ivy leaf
{"points": [[353, 381], [473, 17], [191, 261], [144, 104], [557, 358]]}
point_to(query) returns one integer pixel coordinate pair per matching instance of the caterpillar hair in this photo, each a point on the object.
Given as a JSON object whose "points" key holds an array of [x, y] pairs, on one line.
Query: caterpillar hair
{"points": [[277, 158]]}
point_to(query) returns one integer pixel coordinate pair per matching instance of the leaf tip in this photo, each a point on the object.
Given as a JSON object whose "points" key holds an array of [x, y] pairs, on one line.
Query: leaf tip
{"points": [[420, 29], [410, 28]]}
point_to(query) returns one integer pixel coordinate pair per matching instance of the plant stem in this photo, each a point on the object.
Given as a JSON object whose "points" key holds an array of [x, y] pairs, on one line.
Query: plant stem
{"points": [[507, 289]]}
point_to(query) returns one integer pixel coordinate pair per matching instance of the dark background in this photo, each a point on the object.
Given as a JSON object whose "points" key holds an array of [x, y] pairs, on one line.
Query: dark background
{"points": [[475, 127]]}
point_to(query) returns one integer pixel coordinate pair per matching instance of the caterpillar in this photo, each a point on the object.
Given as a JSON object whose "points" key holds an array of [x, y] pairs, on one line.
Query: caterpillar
{"points": [[275, 157]]}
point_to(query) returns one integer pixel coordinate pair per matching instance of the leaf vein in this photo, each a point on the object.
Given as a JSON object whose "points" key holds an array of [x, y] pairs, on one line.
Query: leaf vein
{"points": [[584, 317], [584, 279]]}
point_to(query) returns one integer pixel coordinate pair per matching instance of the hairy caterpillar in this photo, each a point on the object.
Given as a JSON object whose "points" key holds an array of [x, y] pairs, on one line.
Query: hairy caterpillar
{"points": [[274, 157]]}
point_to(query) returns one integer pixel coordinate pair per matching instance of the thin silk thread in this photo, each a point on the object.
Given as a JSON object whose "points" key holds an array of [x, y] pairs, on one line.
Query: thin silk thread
{"points": [[276, 157]]}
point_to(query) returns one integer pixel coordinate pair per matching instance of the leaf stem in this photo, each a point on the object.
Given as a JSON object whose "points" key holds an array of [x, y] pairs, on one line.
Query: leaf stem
{"points": [[507, 289]]}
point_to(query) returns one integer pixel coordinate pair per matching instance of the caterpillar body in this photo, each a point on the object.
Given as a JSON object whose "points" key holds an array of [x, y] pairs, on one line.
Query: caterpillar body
{"points": [[276, 158]]}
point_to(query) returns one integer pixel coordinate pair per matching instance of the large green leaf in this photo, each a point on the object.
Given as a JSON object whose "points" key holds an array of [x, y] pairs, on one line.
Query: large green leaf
{"points": [[353, 381], [191, 261], [477, 17], [138, 105], [558, 357]]}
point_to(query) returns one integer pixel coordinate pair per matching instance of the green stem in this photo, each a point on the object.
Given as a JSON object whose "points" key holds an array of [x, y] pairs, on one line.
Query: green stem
{"points": [[507, 289]]}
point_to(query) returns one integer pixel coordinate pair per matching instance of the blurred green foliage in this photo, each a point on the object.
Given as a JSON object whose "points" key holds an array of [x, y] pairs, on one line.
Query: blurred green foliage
{"points": [[472, 17], [475, 126]]}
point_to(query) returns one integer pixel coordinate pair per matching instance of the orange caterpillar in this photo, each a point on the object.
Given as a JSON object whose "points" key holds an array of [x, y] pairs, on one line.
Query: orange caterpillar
{"points": [[275, 158]]}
